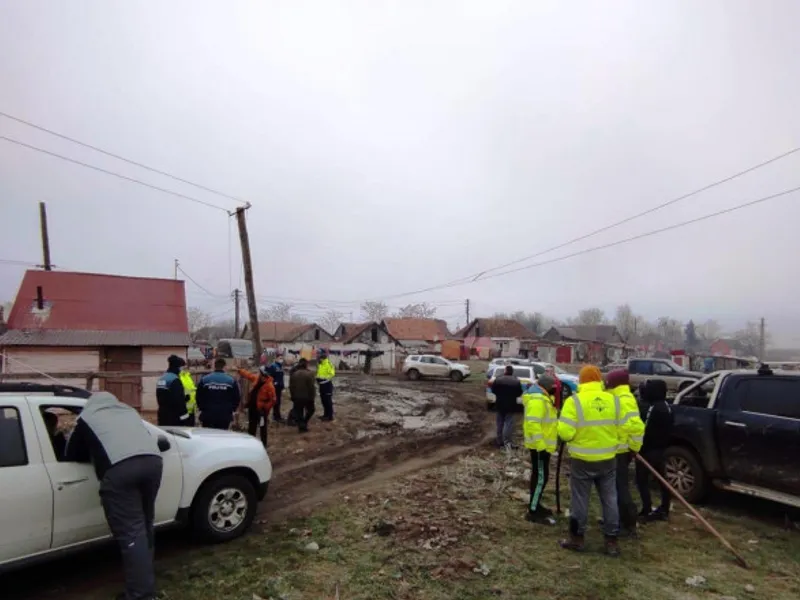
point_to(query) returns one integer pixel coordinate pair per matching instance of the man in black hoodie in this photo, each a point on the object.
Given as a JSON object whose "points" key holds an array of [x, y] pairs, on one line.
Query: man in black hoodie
{"points": [[506, 389], [658, 418]]}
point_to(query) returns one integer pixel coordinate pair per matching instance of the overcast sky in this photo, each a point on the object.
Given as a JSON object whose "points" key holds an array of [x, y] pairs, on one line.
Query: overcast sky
{"points": [[392, 146]]}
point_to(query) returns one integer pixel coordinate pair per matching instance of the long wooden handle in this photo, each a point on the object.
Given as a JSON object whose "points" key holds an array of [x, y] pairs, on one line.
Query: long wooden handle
{"points": [[558, 477], [739, 558]]}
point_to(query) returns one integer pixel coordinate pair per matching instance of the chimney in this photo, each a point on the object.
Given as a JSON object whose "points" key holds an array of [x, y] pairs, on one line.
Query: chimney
{"points": [[39, 298], [3, 327]]}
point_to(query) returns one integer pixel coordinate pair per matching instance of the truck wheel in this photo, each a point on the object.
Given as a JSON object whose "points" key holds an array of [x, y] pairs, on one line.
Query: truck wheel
{"points": [[456, 376], [413, 374], [224, 508], [685, 473]]}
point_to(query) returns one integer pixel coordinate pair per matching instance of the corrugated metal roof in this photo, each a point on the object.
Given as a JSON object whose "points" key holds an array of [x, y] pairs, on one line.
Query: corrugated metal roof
{"points": [[56, 337], [282, 331], [98, 302]]}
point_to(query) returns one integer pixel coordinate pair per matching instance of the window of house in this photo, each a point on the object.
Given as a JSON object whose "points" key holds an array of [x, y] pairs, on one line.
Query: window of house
{"points": [[316, 335], [779, 397], [375, 334], [12, 440]]}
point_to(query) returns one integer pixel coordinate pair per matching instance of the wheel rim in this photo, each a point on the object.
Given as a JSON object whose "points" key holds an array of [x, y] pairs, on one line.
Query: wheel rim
{"points": [[227, 510], [679, 474]]}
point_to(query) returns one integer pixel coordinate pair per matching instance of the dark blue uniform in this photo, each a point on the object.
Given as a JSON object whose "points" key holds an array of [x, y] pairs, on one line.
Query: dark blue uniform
{"points": [[217, 399], [275, 371], [171, 400]]}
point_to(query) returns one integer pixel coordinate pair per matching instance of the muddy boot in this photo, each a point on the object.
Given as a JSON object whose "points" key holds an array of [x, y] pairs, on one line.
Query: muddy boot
{"points": [[573, 542], [611, 546], [539, 517]]}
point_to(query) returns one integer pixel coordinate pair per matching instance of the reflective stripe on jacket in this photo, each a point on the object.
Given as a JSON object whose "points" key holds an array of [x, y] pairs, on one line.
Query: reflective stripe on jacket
{"points": [[325, 371], [590, 423], [541, 421], [632, 426], [190, 389]]}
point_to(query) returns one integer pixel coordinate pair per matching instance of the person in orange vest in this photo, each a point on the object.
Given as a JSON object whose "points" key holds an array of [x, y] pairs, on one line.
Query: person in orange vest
{"points": [[260, 401]]}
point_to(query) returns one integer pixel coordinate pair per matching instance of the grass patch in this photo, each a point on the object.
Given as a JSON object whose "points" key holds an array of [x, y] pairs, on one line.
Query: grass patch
{"points": [[457, 531]]}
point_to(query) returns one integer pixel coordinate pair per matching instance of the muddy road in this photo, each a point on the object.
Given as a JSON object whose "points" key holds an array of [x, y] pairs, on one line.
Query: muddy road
{"points": [[384, 428]]}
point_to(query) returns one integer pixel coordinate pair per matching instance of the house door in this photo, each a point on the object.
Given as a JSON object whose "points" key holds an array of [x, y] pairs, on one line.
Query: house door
{"points": [[563, 354], [126, 389]]}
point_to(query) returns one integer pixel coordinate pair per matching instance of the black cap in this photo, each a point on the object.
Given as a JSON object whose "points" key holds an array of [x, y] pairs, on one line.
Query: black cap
{"points": [[175, 361]]}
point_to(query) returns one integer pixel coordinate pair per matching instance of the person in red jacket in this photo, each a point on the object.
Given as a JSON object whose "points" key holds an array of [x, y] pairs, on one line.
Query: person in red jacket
{"points": [[260, 401], [557, 397]]}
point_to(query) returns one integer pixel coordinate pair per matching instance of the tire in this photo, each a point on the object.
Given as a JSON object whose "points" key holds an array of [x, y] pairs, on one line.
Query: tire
{"points": [[685, 473], [413, 375], [225, 492], [456, 376]]}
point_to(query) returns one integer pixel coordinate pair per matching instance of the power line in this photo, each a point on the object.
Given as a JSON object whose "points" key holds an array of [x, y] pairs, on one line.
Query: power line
{"points": [[122, 158], [189, 277], [107, 172]]}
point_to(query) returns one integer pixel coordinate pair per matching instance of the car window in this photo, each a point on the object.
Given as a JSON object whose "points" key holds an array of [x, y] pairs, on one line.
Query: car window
{"points": [[12, 441], [641, 367], [426, 359], [660, 368], [779, 397], [413, 358], [440, 361]]}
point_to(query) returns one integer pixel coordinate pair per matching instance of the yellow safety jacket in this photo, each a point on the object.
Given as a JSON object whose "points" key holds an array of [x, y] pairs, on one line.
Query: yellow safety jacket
{"points": [[325, 370], [189, 389], [541, 421], [590, 423], [631, 422]]}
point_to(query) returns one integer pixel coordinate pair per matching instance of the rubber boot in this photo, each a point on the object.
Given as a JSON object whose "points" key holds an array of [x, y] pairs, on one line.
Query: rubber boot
{"points": [[611, 546]]}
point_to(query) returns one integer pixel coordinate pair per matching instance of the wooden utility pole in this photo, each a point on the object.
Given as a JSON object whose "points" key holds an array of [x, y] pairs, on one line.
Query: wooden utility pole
{"points": [[762, 341], [45, 237], [236, 313], [466, 304], [249, 288]]}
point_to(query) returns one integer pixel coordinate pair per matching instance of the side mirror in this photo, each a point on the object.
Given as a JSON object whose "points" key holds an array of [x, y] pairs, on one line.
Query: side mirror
{"points": [[163, 443]]}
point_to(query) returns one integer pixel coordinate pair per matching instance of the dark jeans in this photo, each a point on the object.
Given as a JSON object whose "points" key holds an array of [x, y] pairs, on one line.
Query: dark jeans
{"points": [[217, 425], [254, 417], [128, 493], [583, 476], [656, 459], [326, 397], [302, 411], [505, 427], [625, 503], [276, 410], [540, 473]]}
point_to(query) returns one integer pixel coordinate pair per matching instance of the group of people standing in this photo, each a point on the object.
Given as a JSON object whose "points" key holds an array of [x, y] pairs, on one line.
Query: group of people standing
{"points": [[602, 426], [217, 395]]}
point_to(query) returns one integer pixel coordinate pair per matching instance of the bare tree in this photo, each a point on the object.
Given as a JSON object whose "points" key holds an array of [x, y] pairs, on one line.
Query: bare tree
{"points": [[416, 311], [626, 321], [198, 319], [671, 330], [330, 322], [282, 312], [589, 316], [709, 330], [374, 311], [750, 338], [533, 321]]}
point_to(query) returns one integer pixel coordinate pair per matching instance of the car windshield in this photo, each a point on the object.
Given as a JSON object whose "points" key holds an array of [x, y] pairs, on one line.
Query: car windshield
{"points": [[520, 372]]}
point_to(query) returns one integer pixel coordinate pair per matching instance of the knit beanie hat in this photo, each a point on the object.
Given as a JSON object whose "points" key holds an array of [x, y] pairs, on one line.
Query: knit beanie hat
{"points": [[617, 378], [589, 374]]}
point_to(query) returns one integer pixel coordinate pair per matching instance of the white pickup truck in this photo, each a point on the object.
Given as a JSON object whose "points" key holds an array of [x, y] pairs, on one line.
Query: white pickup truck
{"points": [[212, 481]]}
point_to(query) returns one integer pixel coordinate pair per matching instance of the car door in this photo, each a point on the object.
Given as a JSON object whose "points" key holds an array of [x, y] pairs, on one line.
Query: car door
{"points": [[169, 494], [639, 370], [759, 432], [667, 374], [26, 524], [441, 367]]}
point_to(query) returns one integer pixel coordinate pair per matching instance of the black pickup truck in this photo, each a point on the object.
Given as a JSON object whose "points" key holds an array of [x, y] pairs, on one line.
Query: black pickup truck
{"points": [[739, 431]]}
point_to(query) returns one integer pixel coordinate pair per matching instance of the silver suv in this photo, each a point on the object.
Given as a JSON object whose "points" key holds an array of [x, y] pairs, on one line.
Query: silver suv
{"points": [[429, 365]]}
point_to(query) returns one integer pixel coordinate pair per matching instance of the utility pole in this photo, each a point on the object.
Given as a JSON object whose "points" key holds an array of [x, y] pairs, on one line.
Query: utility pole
{"points": [[247, 263], [466, 304], [236, 313], [176, 268], [45, 237], [762, 341]]}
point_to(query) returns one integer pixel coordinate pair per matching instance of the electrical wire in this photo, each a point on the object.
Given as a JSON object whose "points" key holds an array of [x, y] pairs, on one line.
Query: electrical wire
{"points": [[119, 175], [190, 278], [122, 158]]}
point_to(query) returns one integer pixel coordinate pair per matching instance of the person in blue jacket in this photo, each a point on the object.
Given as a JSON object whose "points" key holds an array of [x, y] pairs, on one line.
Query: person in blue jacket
{"points": [[171, 396], [275, 370], [217, 397]]}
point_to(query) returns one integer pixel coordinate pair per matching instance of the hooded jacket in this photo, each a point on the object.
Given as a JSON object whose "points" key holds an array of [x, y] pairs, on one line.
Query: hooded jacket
{"points": [[108, 432], [171, 397], [507, 388], [657, 416]]}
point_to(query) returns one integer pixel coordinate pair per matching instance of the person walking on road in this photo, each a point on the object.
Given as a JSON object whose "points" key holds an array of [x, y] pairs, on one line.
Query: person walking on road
{"points": [[506, 389], [190, 392], [590, 424], [618, 383], [275, 371], [540, 429], [260, 401], [128, 464], [171, 396], [217, 397], [659, 420], [303, 392], [325, 375]]}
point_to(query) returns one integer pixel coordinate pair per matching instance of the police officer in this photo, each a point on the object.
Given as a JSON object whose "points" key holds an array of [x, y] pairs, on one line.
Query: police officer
{"points": [[325, 375], [539, 427], [190, 391], [618, 383], [171, 395], [591, 425], [128, 464], [217, 397]]}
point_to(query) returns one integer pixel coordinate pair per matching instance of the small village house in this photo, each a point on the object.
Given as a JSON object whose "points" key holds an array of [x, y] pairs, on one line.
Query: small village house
{"points": [[598, 344], [80, 323], [418, 334], [355, 340], [496, 337], [727, 347], [277, 335]]}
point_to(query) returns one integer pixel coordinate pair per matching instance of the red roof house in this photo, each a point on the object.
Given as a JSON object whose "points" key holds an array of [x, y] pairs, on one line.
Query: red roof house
{"points": [[417, 332], [63, 322]]}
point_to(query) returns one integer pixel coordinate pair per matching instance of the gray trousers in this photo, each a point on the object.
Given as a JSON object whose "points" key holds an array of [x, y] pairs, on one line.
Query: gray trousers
{"points": [[505, 427], [128, 492], [603, 476]]}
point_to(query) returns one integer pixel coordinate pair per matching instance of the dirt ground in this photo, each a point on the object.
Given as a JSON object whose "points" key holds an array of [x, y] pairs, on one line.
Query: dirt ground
{"points": [[384, 428]]}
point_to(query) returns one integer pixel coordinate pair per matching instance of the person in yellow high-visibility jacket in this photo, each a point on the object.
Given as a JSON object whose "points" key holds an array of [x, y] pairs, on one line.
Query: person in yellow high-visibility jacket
{"points": [[618, 383], [325, 375], [190, 391], [591, 425], [540, 432]]}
